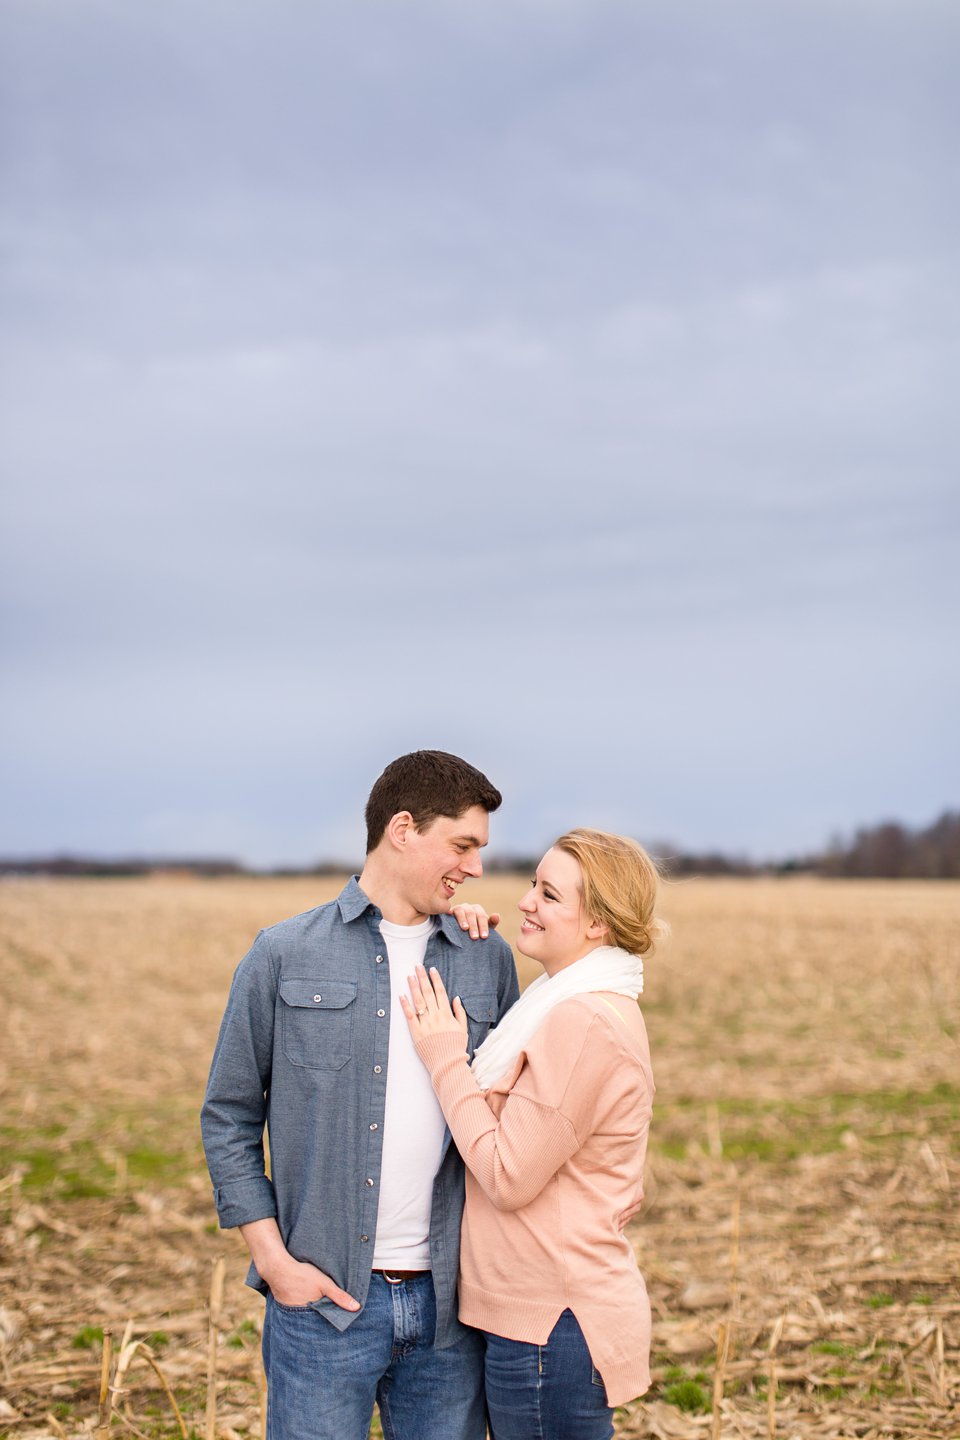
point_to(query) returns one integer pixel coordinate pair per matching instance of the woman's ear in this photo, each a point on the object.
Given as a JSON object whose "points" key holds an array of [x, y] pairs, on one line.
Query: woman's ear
{"points": [[596, 931]]}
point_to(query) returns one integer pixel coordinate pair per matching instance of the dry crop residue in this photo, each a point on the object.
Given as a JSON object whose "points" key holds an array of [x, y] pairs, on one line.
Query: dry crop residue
{"points": [[802, 1179]]}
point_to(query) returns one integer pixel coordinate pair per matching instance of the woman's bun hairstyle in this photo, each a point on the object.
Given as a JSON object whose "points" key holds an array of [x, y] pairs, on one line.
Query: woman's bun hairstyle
{"points": [[620, 884]]}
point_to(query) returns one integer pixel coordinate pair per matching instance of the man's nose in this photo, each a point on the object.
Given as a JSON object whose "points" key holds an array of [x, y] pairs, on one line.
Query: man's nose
{"points": [[473, 865]]}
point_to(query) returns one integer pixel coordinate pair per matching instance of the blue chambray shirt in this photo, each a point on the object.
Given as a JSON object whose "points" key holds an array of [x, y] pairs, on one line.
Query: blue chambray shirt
{"points": [[303, 1050]]}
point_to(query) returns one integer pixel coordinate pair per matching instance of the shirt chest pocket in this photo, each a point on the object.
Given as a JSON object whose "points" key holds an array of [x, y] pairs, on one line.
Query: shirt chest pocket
{"points": [[481, 1008], [317, 1018]]}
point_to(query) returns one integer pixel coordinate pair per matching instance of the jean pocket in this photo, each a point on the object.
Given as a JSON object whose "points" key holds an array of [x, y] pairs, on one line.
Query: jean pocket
{"points": [[596, 1378], [317, 1021], [290, 1309]]}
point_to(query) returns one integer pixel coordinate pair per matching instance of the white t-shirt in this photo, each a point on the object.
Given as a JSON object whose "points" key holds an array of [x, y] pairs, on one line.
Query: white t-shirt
{"points": [[413, 1123]]}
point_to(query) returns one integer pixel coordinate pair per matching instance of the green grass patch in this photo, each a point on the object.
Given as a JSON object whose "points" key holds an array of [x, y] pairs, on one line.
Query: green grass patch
{"points": [[833, 1347], [87, 1337], [688, 1396], [776, 1132], [81, 1171], [685, 1390], [883, 1389], [879, 1302], [669, 1148], [831, 1392], [79, 1160], [245, 1334], [680, 1372]]}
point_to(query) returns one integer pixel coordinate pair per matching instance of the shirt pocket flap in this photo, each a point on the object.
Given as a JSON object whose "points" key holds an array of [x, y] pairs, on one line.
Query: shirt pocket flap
{"points": [[317, 994], [481, 1007]]}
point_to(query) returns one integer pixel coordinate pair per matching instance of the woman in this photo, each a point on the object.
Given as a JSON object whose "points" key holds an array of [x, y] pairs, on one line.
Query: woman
{"points": [[551, 1119]]}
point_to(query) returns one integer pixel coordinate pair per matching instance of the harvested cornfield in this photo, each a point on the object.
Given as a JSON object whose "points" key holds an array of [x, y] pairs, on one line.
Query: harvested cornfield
{"points": [[800, 1233]]}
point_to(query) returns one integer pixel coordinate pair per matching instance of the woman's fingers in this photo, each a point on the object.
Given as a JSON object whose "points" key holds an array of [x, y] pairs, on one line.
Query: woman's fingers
{"points": [[476, 920], [418, 991], [428, 1011], [439, 989], [431, 989]]}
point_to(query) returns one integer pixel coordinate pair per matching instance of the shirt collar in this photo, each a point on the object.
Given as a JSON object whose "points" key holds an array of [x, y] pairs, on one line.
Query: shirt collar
{"points": [[450, 927], [354, 902]]}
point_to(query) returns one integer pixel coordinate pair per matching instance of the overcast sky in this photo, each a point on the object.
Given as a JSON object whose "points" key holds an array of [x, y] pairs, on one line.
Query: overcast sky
{"points": [[570, 384]]}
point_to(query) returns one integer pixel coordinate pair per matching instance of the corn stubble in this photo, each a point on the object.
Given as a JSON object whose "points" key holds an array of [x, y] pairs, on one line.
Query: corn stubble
{"points": [[799, 1235]]}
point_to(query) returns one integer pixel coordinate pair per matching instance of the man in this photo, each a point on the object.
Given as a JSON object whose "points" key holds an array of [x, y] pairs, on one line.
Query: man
{"points": [[355, 1237]]}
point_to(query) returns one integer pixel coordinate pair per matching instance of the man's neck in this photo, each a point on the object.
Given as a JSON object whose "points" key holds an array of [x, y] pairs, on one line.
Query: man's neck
{"points": [[383, 891]]}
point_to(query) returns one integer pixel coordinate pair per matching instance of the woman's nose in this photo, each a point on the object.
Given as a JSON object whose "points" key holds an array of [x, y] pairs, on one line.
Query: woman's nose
{"points": [[526, 902]]}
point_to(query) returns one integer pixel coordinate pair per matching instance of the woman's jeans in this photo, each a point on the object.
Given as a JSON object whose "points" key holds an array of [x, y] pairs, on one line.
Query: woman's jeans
{"points": [[546, 1392], [322, 1382]]}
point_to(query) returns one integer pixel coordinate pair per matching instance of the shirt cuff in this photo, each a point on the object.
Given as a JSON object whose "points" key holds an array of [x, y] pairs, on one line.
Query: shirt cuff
{"points": [[243, 1201]]}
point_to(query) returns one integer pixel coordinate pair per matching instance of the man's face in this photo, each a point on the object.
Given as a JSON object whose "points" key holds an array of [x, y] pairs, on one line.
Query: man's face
{"points": [[439, 858]]}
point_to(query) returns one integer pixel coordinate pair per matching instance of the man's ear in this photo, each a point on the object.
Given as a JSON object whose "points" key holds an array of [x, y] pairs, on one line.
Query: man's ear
{"points": [[398, 829]]}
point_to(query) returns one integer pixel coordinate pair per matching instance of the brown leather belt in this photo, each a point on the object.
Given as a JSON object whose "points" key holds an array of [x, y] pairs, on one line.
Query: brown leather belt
{"points": [[396, 1277]]}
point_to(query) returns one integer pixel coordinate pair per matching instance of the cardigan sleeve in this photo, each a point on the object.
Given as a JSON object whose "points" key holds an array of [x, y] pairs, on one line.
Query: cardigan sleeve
{"points": [[561, 1090]]}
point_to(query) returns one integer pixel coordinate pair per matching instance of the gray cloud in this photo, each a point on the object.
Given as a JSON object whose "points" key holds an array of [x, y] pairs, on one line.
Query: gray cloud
{"points": [[566, 384]]}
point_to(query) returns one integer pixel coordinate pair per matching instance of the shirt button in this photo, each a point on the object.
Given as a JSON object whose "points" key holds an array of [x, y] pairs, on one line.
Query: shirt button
{"points": [[377, 1069], [368, 1182], [317, 998], [364, 1238], [373, 1126], [379, 959], [381, 1013]]}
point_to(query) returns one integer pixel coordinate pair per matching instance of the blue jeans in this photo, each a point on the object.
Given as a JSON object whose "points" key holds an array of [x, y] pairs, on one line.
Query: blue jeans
{"points": [[322, 1382], [546, 1392]]}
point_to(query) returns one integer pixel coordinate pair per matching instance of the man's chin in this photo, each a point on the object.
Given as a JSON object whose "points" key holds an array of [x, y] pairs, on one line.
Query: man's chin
{"points": [[435, 905]]}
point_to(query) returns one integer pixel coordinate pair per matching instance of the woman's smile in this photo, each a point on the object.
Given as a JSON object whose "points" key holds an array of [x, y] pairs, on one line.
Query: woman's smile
{"points": [[556, 929]]}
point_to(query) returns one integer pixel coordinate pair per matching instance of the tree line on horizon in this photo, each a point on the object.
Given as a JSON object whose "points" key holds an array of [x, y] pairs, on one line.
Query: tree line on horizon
{"points": [[887, 851]]}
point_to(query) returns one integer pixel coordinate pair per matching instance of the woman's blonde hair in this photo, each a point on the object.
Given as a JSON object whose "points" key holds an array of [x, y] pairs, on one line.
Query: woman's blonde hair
{"points": [[620, 884]]}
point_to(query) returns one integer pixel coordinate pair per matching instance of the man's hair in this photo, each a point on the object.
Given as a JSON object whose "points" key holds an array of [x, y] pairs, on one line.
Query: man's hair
{"points": [[428, 783]]}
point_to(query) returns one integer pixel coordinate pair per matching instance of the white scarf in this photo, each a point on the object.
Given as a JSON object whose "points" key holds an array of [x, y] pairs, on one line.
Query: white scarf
{"points": [[605, 968]]}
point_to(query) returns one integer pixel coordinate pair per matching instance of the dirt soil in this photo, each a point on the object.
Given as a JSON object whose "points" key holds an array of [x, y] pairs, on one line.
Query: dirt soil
{"points": [[800, 1235]]}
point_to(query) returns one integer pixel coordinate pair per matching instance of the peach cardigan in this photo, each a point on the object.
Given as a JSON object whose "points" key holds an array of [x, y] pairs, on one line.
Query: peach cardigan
{"points": [[554, 1154]]}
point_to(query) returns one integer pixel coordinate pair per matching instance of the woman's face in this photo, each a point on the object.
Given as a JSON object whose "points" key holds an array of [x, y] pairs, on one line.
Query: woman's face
{"points": [[555, 929]]}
